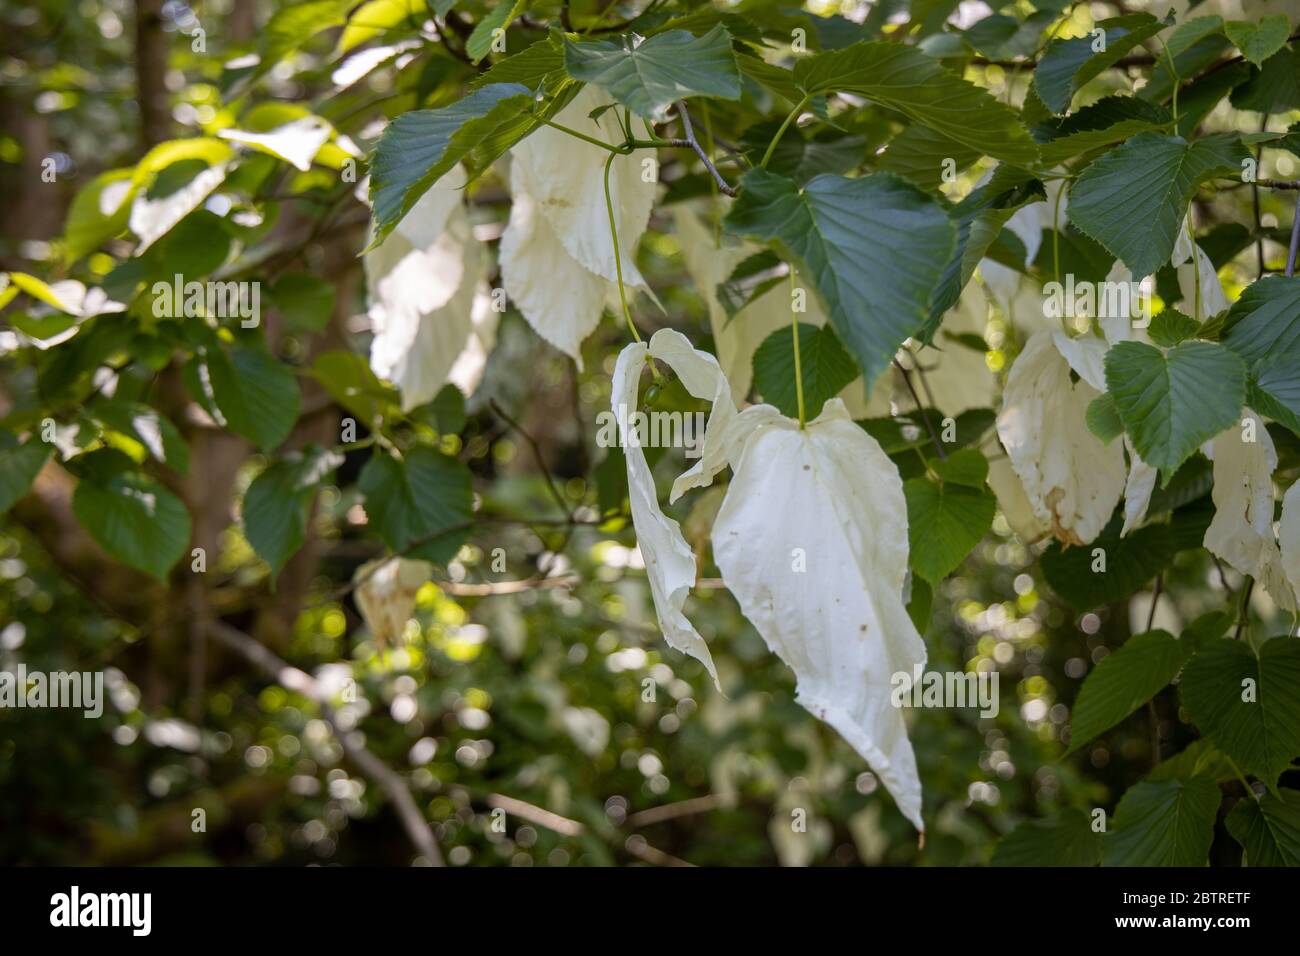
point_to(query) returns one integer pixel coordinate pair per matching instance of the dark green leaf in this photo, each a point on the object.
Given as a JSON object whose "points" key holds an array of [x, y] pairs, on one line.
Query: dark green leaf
{"points": [[420, 506], [1130, 563], [255, 393], [1066, 839], [1068, 64], [1103, 418], [1124, 681], [1265, 321], [846, 234], [1133, 199], [1164, 823], [135, 520], [1262, 732], [647, 77], [1273, 87], [1269, 829], [826, 369], [1260, 39], [1173, 402], [903, 78], [418, 147], [945, 520], [274, 509], [19, 466]]}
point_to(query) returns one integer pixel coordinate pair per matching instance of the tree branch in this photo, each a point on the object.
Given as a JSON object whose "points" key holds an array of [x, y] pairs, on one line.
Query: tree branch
{"points": [[694, 144], [299, 681]]}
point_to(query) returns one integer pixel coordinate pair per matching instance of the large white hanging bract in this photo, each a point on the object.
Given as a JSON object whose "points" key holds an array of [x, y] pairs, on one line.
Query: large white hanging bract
{"points": [[1241, 532], [812, 541], [422, 282], [557, 255], [1073, 480], [811, 538]]}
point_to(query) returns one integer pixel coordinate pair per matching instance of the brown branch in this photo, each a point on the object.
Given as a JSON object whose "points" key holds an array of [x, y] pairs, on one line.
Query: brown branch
{"points": [[694, 144], [934, 437], [297, 680]]}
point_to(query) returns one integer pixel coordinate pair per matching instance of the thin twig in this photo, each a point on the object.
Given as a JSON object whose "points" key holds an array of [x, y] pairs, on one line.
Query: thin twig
{"points": [[694, 144], [299, 681], [537, 455], [934, 436]]}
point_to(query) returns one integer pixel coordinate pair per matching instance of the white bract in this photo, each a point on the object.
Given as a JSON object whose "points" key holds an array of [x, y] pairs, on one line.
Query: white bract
{"points": [[811, 538], [1072, 480], [423, 281], [1242, 530], [557, 255], [386, 595]]}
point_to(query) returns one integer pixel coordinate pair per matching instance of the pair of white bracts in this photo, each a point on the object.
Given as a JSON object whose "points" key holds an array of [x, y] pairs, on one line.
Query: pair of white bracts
{"points": [[811, 538]]}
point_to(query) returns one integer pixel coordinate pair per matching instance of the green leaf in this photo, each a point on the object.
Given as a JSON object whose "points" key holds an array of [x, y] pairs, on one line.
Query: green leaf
{"points": [[945, 520], [826, 368], [846, 234], [1124, 681], [499, 17], [149, 427], [351, 383], [1261, 733], [1133, 199], [1085, 141], [1268, 829], [1171, 327], [1193, 45], [1103, 418], [921, 155], [1275, 388], [1273, 87], [920, 604], [418, 505], [903, 78], [375, 17], [540, 64], [19, 466], [419, 147], [966, 466], [305, 302], [1130, 563], [1164, 823], [274, 512], [254, 392], [1066, 839], [135, 520], [1265, 321], [802, 157], [1068, 64], [292, 26], [89, 225], [1199, 758], [1258, 41], [647, 77], [1172, 402]]}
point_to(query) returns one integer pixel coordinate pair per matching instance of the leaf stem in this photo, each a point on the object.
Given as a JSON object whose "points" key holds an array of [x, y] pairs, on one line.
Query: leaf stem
{"points": [[794, 113], [618, 262], [616, 150], [794, 332]]}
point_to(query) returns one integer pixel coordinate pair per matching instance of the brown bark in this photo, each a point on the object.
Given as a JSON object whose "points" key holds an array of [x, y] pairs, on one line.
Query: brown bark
{"points": [[151, 49]]}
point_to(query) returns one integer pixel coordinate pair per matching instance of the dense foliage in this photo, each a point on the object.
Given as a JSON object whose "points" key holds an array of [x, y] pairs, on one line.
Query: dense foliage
{"points": [[310, 315]]}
